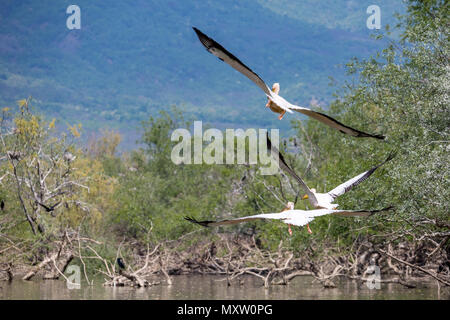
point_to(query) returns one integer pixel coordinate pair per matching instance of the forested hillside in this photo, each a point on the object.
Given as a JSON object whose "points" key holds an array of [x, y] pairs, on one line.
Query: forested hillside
{"points": [[131, 59]]}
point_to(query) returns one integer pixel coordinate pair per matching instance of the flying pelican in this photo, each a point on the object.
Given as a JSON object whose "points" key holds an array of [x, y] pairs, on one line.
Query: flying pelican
{"points": [[275, 102], [323, 200], [290, 206], [290, 217]]}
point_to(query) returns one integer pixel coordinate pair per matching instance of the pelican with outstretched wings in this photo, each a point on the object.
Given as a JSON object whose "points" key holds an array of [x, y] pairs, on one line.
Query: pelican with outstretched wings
{"points": [[276, 103], [322, 200], [290, 217]]}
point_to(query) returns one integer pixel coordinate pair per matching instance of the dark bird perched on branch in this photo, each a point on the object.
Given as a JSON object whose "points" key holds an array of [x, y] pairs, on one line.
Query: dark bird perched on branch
{"points": [[120, 263], [2, 205]]}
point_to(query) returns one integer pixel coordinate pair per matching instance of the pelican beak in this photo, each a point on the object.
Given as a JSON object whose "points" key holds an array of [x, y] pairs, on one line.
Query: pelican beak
{"points": [[305, 197]]}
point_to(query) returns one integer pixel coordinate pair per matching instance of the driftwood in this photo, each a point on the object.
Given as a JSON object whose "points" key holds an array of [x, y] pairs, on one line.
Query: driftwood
{"points": [[8, 271], [235, 256], [58, 262], [241, 255], [439, 279], [134, 278]]}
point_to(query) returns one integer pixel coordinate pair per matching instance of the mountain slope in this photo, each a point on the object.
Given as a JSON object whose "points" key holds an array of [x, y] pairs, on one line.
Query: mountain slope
{"points": [[134, 57]]}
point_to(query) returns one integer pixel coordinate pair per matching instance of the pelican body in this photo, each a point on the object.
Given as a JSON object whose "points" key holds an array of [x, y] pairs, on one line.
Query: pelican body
{"points": [[272, 105]]}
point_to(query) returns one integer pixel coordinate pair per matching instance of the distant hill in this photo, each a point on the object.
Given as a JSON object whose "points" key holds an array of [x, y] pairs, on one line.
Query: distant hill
{"points": [[346, 15], [132, 58]]}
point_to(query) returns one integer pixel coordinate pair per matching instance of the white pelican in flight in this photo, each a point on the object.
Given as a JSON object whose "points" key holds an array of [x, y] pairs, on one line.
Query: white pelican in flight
{"points": [[275, 102], [322, 200], [290, 216]]}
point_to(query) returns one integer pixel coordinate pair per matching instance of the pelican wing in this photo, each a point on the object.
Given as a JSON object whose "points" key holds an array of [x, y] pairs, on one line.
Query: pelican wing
{"points": [[358, 213], [223, 54], [293, 217], [301, 218], [353, 182], [329, 121], [282, 163], [207, 223]]}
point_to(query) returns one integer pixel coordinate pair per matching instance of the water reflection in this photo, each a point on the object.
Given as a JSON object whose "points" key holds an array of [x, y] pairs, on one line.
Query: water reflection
{"points": [[210, 287]]}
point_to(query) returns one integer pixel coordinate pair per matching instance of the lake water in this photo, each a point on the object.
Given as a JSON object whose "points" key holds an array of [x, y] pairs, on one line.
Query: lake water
{"points": [[209, 287]]}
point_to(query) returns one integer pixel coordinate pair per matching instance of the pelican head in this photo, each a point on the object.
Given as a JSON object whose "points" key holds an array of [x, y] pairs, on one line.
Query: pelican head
{"points": [[276, 87], [290, 206]]}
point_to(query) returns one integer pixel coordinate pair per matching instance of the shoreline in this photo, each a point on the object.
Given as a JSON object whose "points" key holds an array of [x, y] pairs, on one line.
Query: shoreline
{"points": [[235, 256]]}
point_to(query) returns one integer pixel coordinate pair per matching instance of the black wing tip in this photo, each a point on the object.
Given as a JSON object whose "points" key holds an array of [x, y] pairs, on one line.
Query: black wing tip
{"points": [[202, 223], [379, 137], [199, 33], [368, 135], [359, 134], [381, 210], [206, 41], [391, 156]]}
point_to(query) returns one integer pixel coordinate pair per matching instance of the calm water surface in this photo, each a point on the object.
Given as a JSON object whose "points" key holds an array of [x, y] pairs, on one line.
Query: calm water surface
{"points": [[209, 287]]}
